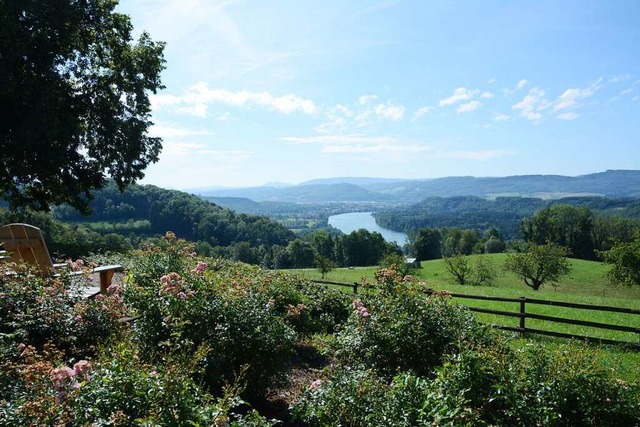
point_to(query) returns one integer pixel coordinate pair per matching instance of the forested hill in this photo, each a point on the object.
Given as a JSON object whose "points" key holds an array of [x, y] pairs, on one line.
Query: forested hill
{"points": [[614, 183], [152, 210], [503, 213]]}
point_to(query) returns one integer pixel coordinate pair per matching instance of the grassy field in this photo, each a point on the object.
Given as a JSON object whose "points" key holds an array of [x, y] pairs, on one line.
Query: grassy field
{"points": [[585, 285]]}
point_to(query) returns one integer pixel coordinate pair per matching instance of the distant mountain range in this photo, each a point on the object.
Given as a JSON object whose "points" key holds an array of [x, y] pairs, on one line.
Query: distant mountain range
{"points": [[612, 183]]}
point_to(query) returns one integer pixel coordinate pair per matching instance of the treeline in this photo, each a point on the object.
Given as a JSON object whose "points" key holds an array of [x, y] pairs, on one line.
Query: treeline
{"points": [[359, 248], [504, 213], [584, 232]]}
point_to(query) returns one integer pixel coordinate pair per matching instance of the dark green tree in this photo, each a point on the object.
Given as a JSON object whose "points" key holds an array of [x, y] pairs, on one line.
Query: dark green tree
{"points": [[74, 104], [425, 244], [323, 244], [564, 225], [362, 247], [301, 254]]}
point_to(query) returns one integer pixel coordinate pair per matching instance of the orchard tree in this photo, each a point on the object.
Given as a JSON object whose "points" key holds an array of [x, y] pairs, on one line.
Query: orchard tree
{"points": [[624, 258], [459, 267], [463, 271], [539, 264], [74, 101], [324, 265]]}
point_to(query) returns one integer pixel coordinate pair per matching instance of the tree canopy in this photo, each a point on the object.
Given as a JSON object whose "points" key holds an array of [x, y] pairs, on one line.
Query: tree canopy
{"points": [[540, 264], [624, 258], [74, 101]]}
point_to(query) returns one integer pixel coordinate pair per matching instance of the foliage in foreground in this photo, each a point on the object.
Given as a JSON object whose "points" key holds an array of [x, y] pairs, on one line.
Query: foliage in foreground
{"points": [[401, 328], [480, 387], [409, 360], [205, 334], [212, 334]]}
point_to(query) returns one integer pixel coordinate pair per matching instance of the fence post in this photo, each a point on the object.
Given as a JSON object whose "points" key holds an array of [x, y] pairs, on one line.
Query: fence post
{"points": [[355, 288], [523, 314]]}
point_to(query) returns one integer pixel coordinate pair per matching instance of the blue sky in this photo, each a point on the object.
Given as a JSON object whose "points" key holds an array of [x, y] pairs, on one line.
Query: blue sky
{"points": [[292, 90]]}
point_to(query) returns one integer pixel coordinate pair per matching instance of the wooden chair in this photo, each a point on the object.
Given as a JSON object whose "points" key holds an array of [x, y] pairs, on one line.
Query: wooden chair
{"points": [[24, 242]]}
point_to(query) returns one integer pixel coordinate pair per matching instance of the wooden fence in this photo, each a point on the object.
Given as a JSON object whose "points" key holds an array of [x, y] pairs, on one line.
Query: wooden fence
{"points": [[522, 314]]}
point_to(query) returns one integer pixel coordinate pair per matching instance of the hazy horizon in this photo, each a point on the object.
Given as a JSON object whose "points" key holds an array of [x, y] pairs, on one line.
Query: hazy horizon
{"points": [[275, 184]]}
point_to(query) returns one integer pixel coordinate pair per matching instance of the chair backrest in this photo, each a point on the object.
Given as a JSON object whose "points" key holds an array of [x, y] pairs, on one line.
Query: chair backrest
{"points": [[24, 242]]}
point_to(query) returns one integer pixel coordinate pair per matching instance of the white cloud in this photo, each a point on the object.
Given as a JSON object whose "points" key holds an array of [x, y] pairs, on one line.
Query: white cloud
{"points": [[487, 95], [521, 84], [635, 98], [532, 104], [390, 111], [501, 117], [626, 91], [364, 113], [468, 107], [568, 116], [223, 117], [422, 111], [620, 78], [491, 81], [196, 99], [570, 98], [460, 94], [365, 99]]}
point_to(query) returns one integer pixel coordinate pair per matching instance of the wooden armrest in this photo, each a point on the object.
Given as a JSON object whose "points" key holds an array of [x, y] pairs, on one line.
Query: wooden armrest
{"points": [[106, 274], [114, 267]]}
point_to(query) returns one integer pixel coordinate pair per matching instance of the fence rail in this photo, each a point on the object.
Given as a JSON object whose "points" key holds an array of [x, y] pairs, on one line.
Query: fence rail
{"points": [[522, 315]]}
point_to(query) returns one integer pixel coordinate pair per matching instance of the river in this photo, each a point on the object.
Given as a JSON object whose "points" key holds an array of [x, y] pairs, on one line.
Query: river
{"points": [[356, 220]]}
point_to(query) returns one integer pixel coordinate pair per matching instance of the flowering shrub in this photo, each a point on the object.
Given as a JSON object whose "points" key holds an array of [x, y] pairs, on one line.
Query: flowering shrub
{"points": [[401, 329], [118, 390], [223, 309], [306, 307], [485, 386], [38, 310]]}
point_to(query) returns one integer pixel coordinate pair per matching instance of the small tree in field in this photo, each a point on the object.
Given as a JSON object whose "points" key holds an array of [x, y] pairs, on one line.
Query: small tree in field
{"points": [[459, 267], [324, 265], [625, 262], [481, 272], [484, 271], [540, 264]]}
